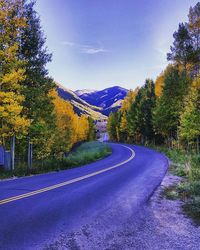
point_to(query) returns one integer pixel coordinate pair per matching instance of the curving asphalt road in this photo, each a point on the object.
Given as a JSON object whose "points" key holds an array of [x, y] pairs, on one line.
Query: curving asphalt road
{"points": [[41, 211]]}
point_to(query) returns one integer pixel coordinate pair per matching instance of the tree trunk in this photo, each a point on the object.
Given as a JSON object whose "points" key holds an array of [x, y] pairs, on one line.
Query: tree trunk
{"points": [[30, 154], [13, 153], [198, 145]]}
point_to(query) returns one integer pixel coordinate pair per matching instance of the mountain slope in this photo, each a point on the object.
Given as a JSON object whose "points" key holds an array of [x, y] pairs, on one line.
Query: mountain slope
{"points": [[79, 105], [80, 92], [109, 99]]}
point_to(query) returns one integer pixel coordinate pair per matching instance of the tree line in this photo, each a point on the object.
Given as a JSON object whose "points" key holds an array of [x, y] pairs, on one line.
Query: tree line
{"points": [[166, 111], [30, 109]]}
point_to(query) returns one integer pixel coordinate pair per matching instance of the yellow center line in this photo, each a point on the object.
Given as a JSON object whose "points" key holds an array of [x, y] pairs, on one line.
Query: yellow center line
{"points": [[42, 190]]}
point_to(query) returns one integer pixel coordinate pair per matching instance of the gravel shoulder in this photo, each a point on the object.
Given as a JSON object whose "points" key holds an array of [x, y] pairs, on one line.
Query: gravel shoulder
{"points": [[160, 224], [165, 226]]}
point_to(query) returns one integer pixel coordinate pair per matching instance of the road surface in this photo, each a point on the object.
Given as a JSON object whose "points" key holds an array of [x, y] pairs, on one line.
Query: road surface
{"points": [[40, 211]]}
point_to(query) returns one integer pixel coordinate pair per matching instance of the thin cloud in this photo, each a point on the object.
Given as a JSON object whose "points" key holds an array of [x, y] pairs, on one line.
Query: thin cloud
{"points": [[86, 49], [92, 51]]}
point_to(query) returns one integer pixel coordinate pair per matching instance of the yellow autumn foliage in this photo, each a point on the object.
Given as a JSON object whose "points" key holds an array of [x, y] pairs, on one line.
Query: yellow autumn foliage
{"points": [[70, 128], [12, 72], [159, 83], [129, 99], [10, 115]]}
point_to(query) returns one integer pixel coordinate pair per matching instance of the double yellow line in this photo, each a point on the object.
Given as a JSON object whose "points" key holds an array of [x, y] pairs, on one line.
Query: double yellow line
{"points": [[42, 190]]}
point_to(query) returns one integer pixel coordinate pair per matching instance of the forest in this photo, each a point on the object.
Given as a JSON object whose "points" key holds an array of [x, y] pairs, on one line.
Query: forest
{"points": [[165, 114], [167, 111], [31, 112]]}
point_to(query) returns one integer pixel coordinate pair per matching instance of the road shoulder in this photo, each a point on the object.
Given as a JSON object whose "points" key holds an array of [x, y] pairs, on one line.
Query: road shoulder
{"points": [[165, 225], [160, 224]]}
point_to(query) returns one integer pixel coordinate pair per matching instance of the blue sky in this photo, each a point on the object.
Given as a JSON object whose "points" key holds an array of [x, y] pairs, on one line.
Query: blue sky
{"points": [[102, 43]]}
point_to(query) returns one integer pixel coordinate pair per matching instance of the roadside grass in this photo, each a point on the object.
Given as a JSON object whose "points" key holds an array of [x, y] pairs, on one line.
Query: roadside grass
{"points": [[186, 166], [86, 153], [170, 193], [178, 160]]}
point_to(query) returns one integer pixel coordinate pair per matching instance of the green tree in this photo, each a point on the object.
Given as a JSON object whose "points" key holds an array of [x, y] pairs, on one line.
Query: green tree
{"points": [[113, 126], [182, 49], [170, 105], [186, 46], [132, 118], [38, 106], [194, 31], [190, 117], [92, 130], [140, 114]]}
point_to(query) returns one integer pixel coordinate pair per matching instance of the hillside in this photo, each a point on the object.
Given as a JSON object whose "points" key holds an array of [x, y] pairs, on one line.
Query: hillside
{"points": [[109, 99], [80, 92], [80, 106]]}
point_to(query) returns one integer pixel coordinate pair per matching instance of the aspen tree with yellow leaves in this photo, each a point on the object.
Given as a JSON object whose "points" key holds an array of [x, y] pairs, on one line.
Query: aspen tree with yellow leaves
{"points": [[129, 99], [83, 128], [70, 128], [12, 73], [63, 138]]}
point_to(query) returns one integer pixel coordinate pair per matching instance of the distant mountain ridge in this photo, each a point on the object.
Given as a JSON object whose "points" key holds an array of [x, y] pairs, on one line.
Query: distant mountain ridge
{"points": [[96, 103], [80, 92], [109, 99], [79, 105]]}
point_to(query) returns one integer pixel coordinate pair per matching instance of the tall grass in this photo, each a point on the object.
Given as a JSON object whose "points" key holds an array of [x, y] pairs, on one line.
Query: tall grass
{"points": [[186, 165]]}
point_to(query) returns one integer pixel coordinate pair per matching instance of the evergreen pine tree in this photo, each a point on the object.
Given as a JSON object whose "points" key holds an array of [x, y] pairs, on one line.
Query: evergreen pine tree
{"points": [[38, 106]]}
